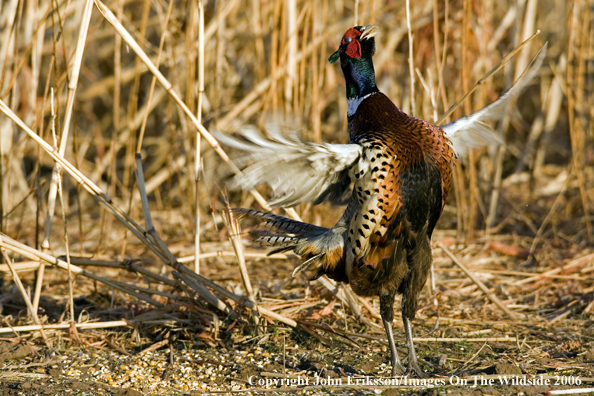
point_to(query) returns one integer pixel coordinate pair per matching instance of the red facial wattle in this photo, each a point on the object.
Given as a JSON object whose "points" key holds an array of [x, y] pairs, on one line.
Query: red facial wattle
{"points": [[350, 43]]}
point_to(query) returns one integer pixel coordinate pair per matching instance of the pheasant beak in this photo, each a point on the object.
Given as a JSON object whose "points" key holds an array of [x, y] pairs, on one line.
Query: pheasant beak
{"points": [[369, 31]]}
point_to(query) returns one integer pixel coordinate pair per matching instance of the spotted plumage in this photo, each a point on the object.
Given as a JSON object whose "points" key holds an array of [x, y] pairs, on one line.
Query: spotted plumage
{"points": [[400, 169]]}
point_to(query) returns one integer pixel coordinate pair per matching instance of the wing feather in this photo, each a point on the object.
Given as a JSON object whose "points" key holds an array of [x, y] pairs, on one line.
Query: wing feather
{"points": [[297, 170], [472, 131]]}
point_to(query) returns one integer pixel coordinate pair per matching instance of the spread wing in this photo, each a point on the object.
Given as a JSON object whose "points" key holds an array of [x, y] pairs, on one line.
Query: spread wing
{"points": [[297, 170], [472, 131]]}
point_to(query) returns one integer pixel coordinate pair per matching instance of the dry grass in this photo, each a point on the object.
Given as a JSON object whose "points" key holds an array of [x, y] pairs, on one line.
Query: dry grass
{"points": [[85, 86]]}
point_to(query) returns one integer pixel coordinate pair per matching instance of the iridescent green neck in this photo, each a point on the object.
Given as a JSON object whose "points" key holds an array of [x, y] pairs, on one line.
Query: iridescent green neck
{"points": [[359, 76]]}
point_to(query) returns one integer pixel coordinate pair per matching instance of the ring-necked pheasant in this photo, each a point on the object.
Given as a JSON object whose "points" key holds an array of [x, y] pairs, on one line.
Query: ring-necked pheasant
{"points": [[400, 168]]}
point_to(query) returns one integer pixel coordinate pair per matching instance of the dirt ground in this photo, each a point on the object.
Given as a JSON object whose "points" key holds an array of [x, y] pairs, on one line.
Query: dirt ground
{"points": [[475, 368], [474, 349]]}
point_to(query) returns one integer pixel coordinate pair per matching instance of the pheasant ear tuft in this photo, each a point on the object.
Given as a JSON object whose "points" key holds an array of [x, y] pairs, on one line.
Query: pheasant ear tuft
{"points": [[334, 57]]}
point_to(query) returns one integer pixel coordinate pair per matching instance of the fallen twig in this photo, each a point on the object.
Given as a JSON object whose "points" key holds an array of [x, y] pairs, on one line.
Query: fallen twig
{"points": [[23, 292], [82, 326], [579, 262], [235, 238], [480, 284], [34, 254]]}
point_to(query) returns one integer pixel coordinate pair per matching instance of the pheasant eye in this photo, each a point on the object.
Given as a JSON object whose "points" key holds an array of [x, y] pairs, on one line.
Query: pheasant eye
{"points": [[348, 39]]}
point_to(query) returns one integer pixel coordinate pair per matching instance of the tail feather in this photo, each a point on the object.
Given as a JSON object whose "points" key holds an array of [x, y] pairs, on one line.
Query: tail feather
{"points": [[265, 238], [316, 245], [281, 250], [280, 225], [305, 265]]}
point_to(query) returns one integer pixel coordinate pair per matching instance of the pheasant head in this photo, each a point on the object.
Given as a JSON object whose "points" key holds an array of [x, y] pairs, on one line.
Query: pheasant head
{"points": [[356, 49]]}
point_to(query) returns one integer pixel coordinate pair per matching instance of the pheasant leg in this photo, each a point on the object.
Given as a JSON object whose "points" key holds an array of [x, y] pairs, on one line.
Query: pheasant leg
{"points": [[387, 313], [413, 364]]}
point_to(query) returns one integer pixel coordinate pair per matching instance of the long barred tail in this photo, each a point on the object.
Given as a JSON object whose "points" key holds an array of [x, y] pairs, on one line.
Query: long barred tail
{"points": [[279, 231], [314, 244]]}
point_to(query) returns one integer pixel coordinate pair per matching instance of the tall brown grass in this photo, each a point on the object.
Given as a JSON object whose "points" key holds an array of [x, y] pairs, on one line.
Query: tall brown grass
{"points": [[261, 59]]}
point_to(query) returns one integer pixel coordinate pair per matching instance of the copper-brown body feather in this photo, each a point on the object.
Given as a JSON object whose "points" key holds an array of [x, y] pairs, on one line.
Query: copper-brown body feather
{"points": [[398, 200]]}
